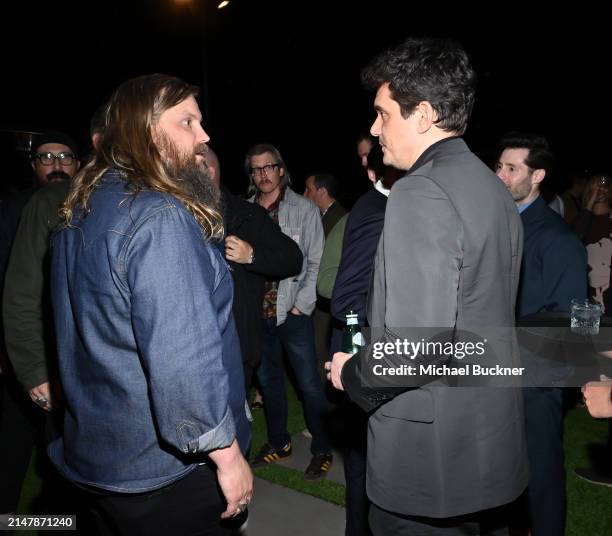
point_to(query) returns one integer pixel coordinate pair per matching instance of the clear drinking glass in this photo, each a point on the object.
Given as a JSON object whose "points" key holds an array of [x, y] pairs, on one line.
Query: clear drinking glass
{"points": [[584, 317]]}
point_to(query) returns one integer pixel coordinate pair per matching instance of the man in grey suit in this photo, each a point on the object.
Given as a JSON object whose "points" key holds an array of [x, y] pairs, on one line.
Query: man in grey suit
{"points": [[441, 459]]}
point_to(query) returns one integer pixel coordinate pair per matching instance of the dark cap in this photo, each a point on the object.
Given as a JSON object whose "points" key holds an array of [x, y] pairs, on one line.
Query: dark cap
{"points": [[52, 136]]}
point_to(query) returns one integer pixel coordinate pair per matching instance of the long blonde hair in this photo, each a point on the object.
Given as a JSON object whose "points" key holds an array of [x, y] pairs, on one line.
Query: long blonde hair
{"points": [[127, 145]]}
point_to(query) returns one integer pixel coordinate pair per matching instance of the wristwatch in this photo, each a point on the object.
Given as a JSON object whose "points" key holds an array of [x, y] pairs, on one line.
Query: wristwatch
{"points": [[252, 259]]}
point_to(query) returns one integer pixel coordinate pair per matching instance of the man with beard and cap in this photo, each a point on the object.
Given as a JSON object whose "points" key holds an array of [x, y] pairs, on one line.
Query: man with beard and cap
{"points": [[54, 157], [27, 219], [149, 361], [256, 249], [54, 163]]}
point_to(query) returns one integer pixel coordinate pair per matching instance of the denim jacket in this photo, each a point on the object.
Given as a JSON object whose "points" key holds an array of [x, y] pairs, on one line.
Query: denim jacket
{"points": [[148, 354], [300, 219]]}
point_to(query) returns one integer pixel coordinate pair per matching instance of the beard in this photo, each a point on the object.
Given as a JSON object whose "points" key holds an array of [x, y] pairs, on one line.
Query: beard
{"points": [[522, 189], [193, 178]]}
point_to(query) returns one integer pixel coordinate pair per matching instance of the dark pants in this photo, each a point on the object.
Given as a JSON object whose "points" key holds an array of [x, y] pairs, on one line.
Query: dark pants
{"points": [[490, 522], [544, 430], [190, 506], [296, 337], [322, 329], [355, 427], [21, 425]]}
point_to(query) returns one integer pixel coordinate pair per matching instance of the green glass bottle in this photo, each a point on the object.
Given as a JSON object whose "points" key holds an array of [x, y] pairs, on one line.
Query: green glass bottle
{"points": [[352, 339]]}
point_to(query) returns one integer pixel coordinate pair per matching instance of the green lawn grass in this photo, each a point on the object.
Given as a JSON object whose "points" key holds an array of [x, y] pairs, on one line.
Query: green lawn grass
{"points": [[589, 506]]}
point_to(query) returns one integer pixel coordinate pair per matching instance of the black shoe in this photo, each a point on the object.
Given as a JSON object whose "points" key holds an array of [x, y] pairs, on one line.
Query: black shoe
{"points": [[319, 467], [268, 454], [592, 476]]}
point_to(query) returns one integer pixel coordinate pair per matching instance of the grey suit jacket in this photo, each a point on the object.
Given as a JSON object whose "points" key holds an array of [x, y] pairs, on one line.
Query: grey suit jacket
{"points": [[449, 256]]}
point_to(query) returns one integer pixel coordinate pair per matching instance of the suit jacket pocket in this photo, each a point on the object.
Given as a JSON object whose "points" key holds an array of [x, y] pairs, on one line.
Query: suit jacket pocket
{"points": [[415, 405]]}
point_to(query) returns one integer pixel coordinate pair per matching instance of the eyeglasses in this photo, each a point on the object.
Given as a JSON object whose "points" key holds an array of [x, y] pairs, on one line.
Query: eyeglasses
{"points": [[47, 159], [265, 170]]}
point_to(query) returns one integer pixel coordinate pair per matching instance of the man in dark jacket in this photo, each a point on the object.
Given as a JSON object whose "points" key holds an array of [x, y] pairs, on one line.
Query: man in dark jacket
{"points": [[256, 249], [553, 271], [361, 236], [26, 220]]}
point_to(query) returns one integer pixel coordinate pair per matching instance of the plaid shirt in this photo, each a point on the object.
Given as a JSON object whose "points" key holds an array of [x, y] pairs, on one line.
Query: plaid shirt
{"points": [[271, 287]]}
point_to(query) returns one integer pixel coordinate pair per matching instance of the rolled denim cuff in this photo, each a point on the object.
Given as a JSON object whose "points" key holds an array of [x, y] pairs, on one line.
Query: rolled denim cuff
{"points": [[219, 437]]}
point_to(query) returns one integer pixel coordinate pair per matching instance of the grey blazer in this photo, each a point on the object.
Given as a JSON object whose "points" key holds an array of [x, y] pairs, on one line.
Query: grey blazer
{"points": [[300, 219], [449, 256]]}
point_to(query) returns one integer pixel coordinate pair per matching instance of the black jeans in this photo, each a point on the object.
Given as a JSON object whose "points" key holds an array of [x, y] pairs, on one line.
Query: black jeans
{"points": [[355, 465], [21, 426], [546, 491], [190, 506]]}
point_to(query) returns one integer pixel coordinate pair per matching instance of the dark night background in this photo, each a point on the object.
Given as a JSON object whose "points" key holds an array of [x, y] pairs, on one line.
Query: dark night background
{"points": [[288, 72]]}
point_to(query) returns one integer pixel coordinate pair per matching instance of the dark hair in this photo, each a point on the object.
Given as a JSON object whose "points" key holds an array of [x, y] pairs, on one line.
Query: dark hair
{"points": [[98, 120], [540, 155], [327, 181], [426, 69], [262, 148], [375, 161]]}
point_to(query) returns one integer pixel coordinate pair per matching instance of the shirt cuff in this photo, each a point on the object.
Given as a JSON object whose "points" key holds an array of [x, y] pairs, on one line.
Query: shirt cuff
{"points": [[219, 437]]}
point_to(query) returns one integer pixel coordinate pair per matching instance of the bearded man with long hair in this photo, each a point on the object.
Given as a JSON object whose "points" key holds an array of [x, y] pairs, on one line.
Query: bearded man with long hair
{"points": [[155, 422]]}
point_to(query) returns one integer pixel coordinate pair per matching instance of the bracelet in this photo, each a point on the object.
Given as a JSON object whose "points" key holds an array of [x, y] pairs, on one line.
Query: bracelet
{"points": [[252, 259]]}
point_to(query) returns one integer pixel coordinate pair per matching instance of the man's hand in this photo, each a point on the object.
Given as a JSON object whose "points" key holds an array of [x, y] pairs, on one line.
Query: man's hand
{"points": [[597, 398], [237, 250], [335, 369], [235, 478], [41, 396], [295, 311]]}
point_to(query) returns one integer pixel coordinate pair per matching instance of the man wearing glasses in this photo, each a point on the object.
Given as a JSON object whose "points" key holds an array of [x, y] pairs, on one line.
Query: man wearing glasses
{"points": [[55, 158], [26, 225], [287, 309], [54, 163]]}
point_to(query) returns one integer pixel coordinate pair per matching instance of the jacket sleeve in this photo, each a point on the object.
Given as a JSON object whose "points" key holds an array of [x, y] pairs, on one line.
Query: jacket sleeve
{"points": [[423, 241], [314, 240], [172, 275], [330, 260], [275, 253], [27, 322], [361, 237]]}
